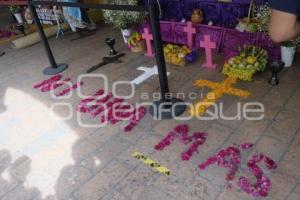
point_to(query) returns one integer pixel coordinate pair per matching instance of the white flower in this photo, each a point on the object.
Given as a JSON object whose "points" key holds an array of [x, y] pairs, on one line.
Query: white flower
{"points": [[123, 19]]}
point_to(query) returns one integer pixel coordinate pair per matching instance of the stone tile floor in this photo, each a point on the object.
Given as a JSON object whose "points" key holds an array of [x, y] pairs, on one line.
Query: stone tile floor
{"points": [[44, 158]]}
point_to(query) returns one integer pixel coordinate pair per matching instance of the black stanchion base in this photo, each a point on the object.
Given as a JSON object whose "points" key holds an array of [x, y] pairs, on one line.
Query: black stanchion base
{"points": [[274, 81], [275, 67], [106, 60], [167, 110], [52, 71]]}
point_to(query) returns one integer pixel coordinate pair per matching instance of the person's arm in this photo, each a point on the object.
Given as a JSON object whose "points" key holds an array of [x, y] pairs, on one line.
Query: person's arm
{"points": [[284, 23]]}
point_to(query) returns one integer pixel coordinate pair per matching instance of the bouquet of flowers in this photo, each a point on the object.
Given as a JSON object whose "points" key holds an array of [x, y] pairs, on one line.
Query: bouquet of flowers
{"points": [[252, 59], [136, 42], [178, 55]]}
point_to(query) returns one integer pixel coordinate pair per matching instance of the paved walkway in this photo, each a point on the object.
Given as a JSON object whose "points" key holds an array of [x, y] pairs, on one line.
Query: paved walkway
{"points": [[44, 158]]}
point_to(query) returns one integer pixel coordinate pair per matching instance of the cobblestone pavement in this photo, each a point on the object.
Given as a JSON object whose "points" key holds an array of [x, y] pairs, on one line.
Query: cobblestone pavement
{"points": [[43, 158]]}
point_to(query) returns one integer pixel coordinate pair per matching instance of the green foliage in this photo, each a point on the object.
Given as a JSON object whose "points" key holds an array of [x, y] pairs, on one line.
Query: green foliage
{"points": [[263, 16], [123, 19], [292, 43], [14, 9]]}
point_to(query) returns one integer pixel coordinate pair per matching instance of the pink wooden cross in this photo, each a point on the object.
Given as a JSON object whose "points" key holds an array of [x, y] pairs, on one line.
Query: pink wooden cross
{"points": [[189, 31], [148, 37], [208, 45]]}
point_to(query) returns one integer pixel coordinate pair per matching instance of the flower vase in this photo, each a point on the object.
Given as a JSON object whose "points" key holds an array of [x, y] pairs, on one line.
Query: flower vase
{"points": [[287, 55], [126, 33], [19, 18], [139, 47]]}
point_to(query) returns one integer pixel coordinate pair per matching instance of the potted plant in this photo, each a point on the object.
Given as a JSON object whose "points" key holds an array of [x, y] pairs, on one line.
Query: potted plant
{"points": [[136, 42], [123, 19], [16, 11], [288, 50]]}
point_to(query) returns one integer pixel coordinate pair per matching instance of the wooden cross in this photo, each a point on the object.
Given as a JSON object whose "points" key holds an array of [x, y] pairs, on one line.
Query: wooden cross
{"points": [[208, 45], [189, 31], [218, 90], [148, 37]]}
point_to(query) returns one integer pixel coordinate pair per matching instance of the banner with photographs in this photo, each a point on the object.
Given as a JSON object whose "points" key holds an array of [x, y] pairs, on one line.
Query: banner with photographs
{"points": [[50, 15]]}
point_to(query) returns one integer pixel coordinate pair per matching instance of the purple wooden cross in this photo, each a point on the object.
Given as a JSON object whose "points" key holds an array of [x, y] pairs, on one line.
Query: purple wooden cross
{"points": [[208, 45], [148, 37], [189, 31]]}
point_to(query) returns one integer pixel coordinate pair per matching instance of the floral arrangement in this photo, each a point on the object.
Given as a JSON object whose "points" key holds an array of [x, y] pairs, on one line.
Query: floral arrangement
{"points": [[136, 42], [249, 23], [252, 59], [230, 158], [134, 39], [54, 83], [123, 19], [222, 88], [263, 16], [178, 55], [219, 89], [110, 109], [262, 185]]}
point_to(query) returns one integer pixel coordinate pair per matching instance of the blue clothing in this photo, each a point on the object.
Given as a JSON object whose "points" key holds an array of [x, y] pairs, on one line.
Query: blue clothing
{"points": [[290, 6], [73, 11]]}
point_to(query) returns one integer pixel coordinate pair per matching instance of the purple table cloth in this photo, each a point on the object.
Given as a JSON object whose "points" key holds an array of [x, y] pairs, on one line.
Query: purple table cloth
{"points": [[224, 17], [222, 14], [227, 40]]}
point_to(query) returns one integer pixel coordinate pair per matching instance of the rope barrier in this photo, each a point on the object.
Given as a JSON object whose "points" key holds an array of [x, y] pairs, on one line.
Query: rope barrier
{"points": [[165, 108], [91, 5]]}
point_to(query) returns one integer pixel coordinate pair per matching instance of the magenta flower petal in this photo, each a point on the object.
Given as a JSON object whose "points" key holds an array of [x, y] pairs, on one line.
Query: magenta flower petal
{"points": [[262, 185], [246, 146], [48, 82], [181, 132], [182, 128], [270, 163]]}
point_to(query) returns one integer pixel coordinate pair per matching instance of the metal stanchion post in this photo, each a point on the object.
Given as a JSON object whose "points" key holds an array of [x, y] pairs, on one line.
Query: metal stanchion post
{"points": [[54, 68], [166, 107]]}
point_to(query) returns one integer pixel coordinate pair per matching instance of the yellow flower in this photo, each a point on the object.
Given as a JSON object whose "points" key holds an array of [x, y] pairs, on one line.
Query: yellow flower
{"points": [[251, 60]]}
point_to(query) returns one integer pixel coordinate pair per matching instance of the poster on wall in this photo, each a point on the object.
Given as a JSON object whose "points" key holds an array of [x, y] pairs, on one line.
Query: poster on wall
{"points": [[49, 16]]}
